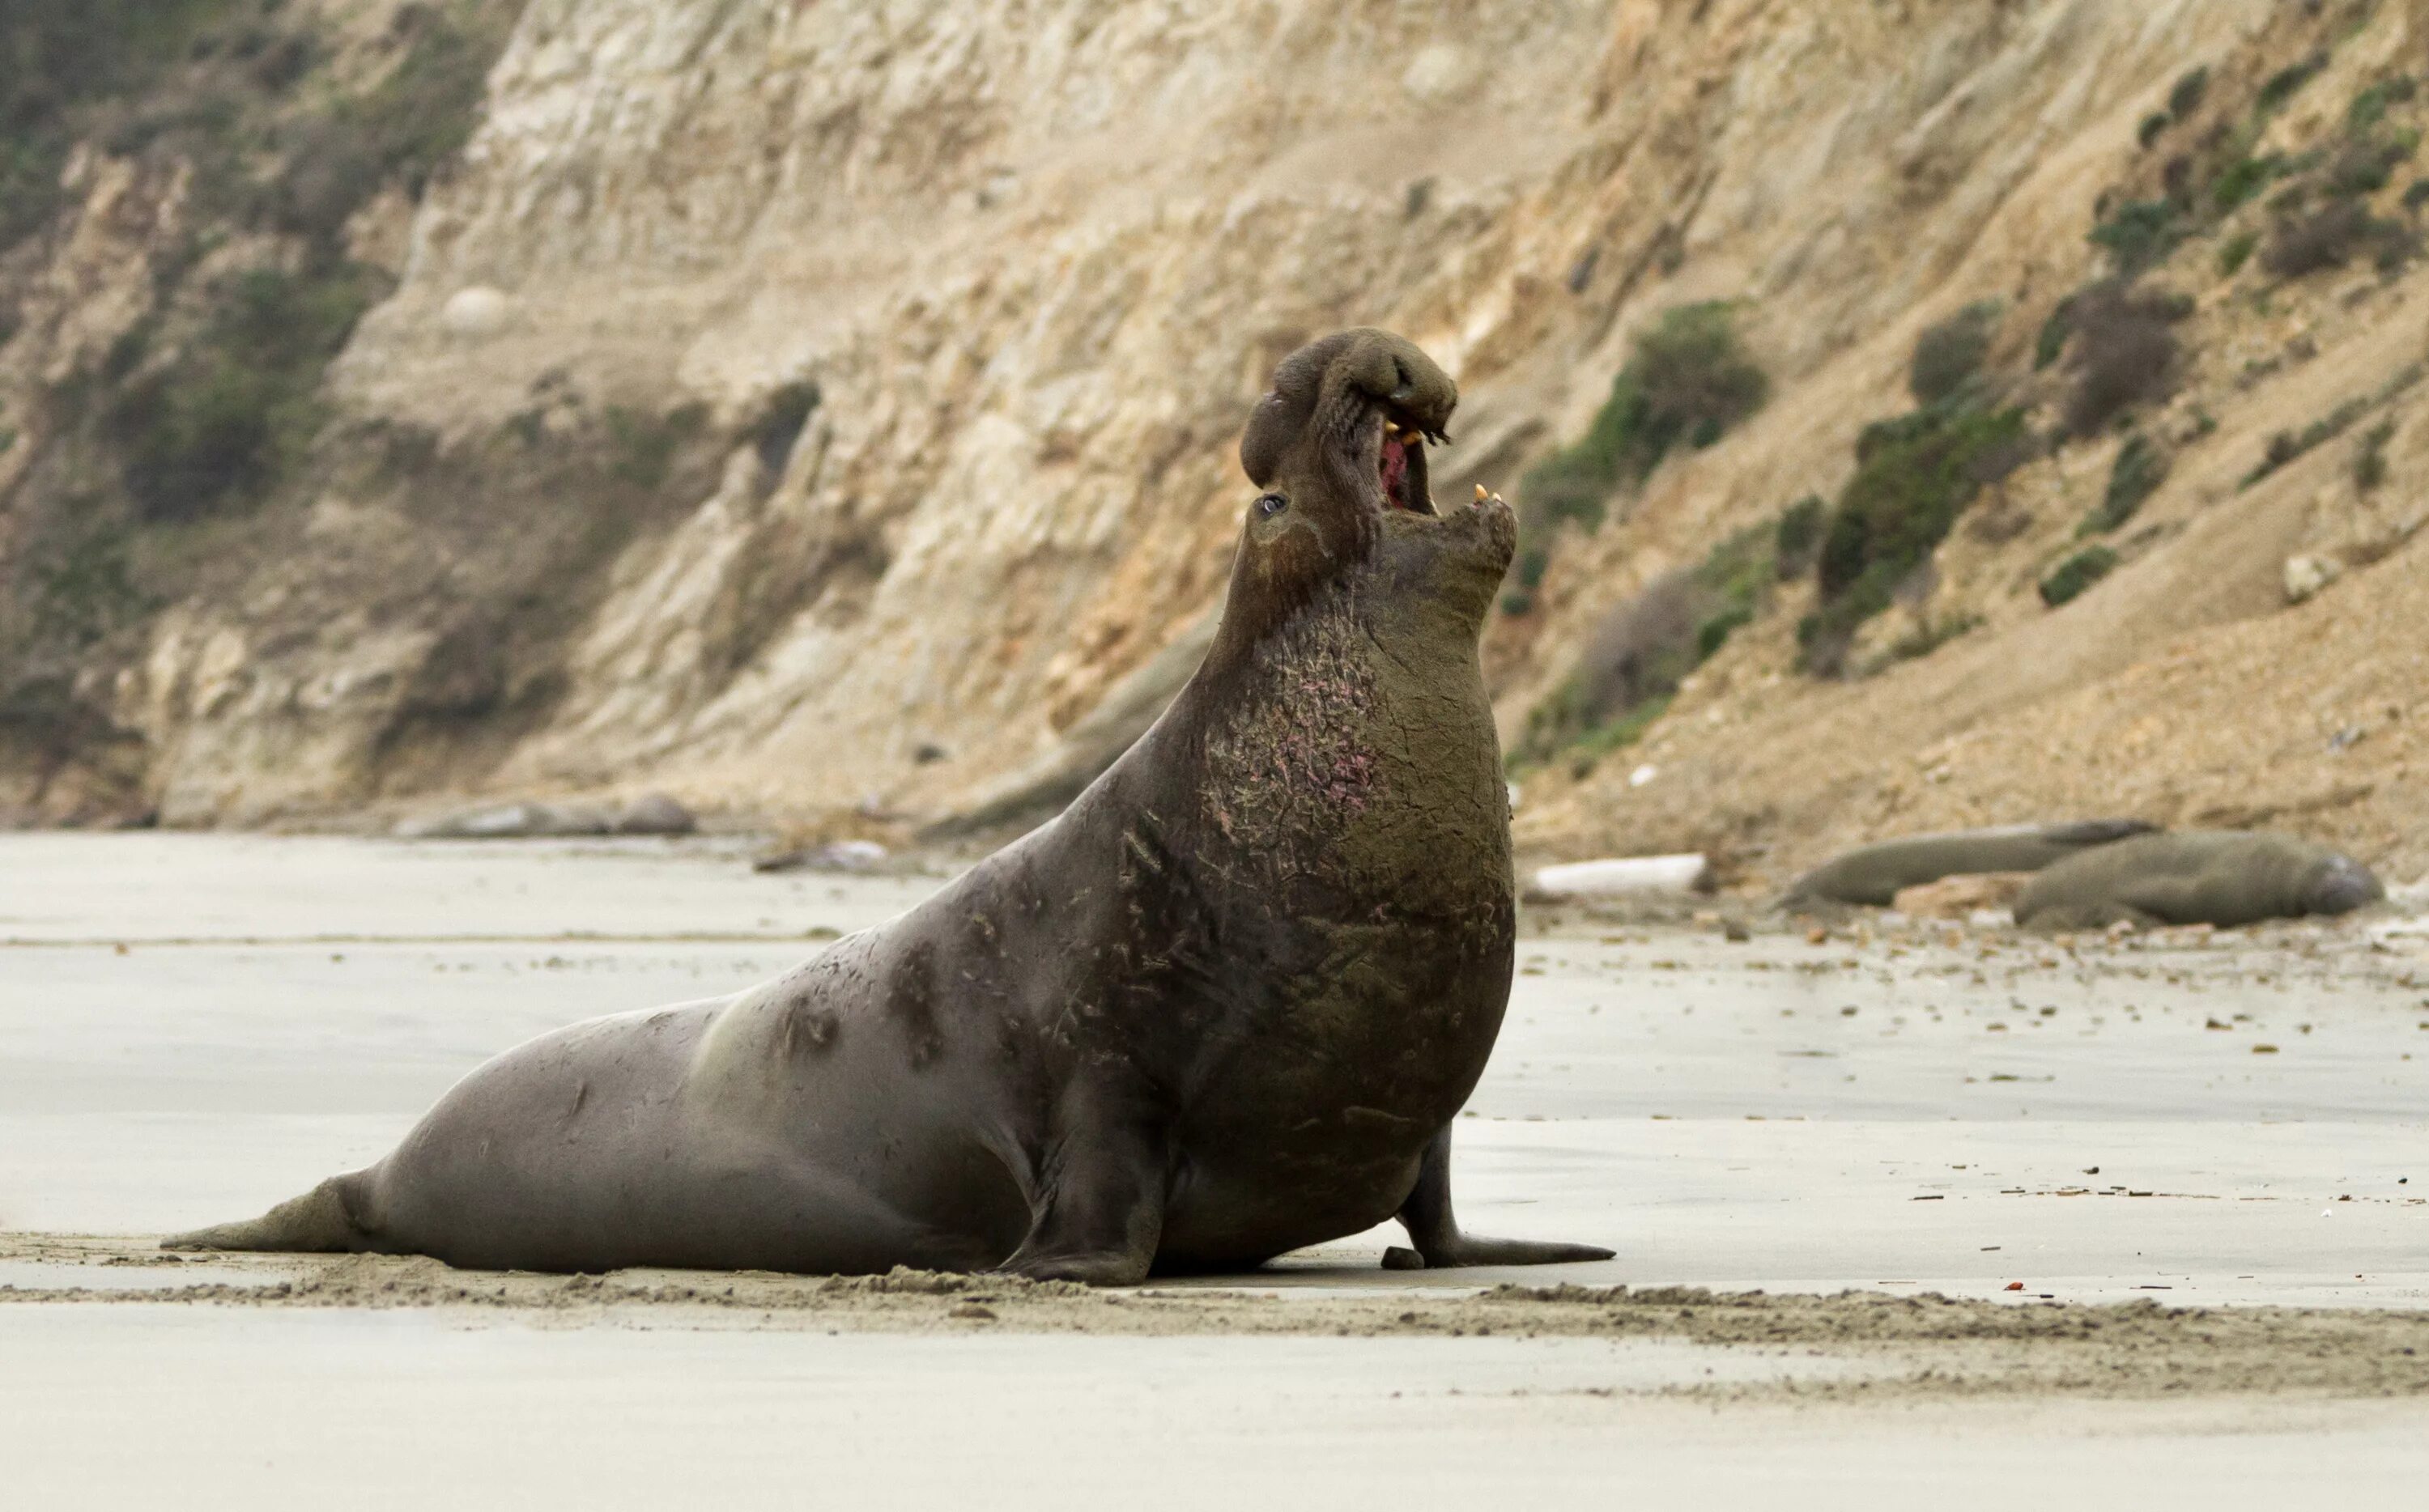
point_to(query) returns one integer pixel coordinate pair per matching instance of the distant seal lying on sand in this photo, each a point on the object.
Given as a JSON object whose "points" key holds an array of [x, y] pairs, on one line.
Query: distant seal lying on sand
{"points": [[1873, 875], [2221, 877], [1227, 1005]]}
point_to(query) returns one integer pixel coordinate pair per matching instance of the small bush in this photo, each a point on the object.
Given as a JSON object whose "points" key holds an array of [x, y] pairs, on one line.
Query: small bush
{"points": [[2328, 237], [2367, 166], [2392, 247], [2124, 354], [2370, 458], [2077, 573], [2282, 85], [2242, 179], [59, 59], [2370, 106], [1643, 648], [1691, 381], [2051, 343], [2186, 97], [2236, 252], [2286, 446], [332, 166], [29, 184], [86, 590], [420, 116], [780, 422], [2138, 235], [1913, 477], [1798, 537], [1641, 651], [403, 129], [2282, 448], [1590, 747], [1949, 354], [2139, 468], [1634, 657], [236, 409], [1688, 381], [2153, 124]]}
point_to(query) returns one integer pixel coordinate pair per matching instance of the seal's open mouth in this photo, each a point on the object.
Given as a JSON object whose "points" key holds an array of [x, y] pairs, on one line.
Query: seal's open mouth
{"points": [[1400, 463]]}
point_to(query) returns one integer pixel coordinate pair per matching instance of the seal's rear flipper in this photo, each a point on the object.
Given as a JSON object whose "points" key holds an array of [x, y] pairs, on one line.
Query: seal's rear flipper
{"points": [[318, 1222]]}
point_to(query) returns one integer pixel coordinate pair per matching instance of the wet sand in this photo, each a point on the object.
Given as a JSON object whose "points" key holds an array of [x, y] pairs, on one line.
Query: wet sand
{"points": [[2202, 1157]]}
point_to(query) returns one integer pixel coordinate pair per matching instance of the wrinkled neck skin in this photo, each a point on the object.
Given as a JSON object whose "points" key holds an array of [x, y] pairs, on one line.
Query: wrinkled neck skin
{"points": [[1335, 752], [1338, 755]]}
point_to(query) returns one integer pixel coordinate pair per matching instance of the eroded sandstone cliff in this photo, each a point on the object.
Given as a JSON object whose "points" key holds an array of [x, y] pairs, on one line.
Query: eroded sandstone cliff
{"points": [[808, 407]]}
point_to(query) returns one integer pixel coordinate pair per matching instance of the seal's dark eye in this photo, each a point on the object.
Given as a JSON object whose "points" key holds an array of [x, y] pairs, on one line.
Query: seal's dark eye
{"points": [[1269, 505]]}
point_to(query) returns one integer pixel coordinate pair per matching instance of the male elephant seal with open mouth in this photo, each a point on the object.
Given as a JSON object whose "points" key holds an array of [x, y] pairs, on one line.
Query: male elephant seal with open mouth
{"points": [[2222, 877], [1875, 873], [1227, 1005]]}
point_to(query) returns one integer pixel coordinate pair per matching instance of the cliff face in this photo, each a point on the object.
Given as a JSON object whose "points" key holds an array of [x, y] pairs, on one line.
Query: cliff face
{"points": [[804, 406]]}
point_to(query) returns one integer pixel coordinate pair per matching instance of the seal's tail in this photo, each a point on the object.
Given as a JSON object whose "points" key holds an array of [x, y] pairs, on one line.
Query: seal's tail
{"points": [[318, 1221]]}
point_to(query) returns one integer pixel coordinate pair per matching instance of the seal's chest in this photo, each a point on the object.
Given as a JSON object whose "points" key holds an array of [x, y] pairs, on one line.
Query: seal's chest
{"points": [[1373, 770], [1295, 762]]}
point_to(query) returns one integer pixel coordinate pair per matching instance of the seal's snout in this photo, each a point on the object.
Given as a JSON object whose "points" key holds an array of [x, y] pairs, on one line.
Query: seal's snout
{"points": [[2345, 885], [1412, 399]]}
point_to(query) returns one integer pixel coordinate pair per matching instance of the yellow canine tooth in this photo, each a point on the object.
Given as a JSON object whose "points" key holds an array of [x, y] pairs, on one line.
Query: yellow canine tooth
{"points": [[1480, 495]]}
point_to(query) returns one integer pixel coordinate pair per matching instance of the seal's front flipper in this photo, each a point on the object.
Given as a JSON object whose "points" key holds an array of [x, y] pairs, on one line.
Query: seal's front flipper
{"points": [[1098, 1212], [1432, 1227]]}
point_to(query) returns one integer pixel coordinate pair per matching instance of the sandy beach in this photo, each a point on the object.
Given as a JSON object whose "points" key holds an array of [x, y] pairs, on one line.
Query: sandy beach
{"points": [[2106, 1219]]}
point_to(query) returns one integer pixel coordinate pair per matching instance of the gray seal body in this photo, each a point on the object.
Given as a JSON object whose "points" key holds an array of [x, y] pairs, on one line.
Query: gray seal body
{"points": [[1225, 1006], [2222, 877], [1874, 875]]}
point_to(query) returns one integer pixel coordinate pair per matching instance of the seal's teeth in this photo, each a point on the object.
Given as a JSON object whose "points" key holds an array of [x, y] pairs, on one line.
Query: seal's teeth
{"points": [[1480, 495]]}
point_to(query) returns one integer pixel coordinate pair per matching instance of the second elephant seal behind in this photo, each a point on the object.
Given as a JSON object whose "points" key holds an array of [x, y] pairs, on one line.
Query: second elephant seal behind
{"points": [[2227, 878], [1227, 1005], [1873, 875]]}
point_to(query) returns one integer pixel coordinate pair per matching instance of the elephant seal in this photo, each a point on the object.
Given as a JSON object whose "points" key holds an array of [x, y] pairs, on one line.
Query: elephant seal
{"points": [[2221, 877], [1225, 1006], [1873, 875]]}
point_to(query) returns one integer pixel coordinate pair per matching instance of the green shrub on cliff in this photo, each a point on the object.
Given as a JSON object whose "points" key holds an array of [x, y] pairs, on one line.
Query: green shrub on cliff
{"points": [[399, 131], [1641, 651], [58, 58], [1687, 382], [1913, 476], [2139, 233], [2139, 468], [1798, 537], [2078, 573], [238, 404], [1949, 356]]}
